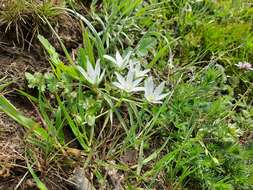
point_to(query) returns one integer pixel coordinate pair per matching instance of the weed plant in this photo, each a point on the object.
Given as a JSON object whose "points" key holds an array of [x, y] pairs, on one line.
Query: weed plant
{"points": [[191, 132]]}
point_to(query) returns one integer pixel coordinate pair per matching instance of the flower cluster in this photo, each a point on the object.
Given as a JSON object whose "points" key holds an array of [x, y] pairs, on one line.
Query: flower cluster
{"points": [[131, 82], [135, 75], [244, 65]]}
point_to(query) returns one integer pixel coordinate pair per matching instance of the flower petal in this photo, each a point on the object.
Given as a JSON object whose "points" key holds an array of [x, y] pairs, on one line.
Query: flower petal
{"points": [[149, 87], [127, 57], [137, 82], [162, 96], [118, 85], [156, 102], [142, 73], [90, 71], [131, 65], [130, 77], [89, 66], [136, 89], [110, 59], [119, 59], [101, 77], [97, 68], [120, 78], [83, 72], [159, 89]]}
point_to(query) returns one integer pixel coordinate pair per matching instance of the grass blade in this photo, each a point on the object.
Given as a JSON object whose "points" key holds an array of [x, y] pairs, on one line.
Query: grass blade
{"points": [[39, 183], [30, 124]]}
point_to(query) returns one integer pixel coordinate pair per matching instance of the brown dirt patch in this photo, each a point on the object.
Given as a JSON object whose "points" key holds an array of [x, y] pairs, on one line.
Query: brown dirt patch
{"points": [[16, 59], [11, 153], [13, 64]]}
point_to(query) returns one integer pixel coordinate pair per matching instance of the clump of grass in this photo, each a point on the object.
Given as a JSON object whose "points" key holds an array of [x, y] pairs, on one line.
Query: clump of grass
{"points": [[25, 17], [16, 11]]}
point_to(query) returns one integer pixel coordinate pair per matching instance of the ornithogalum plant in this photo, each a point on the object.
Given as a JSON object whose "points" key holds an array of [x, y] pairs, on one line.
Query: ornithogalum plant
{"points": [[128, 83], [94, 76], [119, 61], [154, 94]]}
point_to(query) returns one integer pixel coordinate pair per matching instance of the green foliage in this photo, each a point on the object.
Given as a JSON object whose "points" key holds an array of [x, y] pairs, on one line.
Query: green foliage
{"points": [[195, 138], [219, 37]]}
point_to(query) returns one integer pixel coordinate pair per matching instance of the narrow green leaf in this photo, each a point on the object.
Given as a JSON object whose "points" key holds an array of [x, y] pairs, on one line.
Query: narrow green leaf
{"points": [[72, 125], [11, 111], [38, 182]]}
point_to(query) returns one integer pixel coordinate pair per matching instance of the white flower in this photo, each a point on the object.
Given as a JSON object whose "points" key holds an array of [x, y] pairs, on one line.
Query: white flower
{"points": [[152, 94], [136, 68], [244, 65], [92, 75], [128, 83], [119, 61]]}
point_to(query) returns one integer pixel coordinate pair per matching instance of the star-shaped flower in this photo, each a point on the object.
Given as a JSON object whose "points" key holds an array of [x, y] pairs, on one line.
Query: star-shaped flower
{"points": [[92, 75], [128, 83], [136, 68], [152, 94], [120, 62]]}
